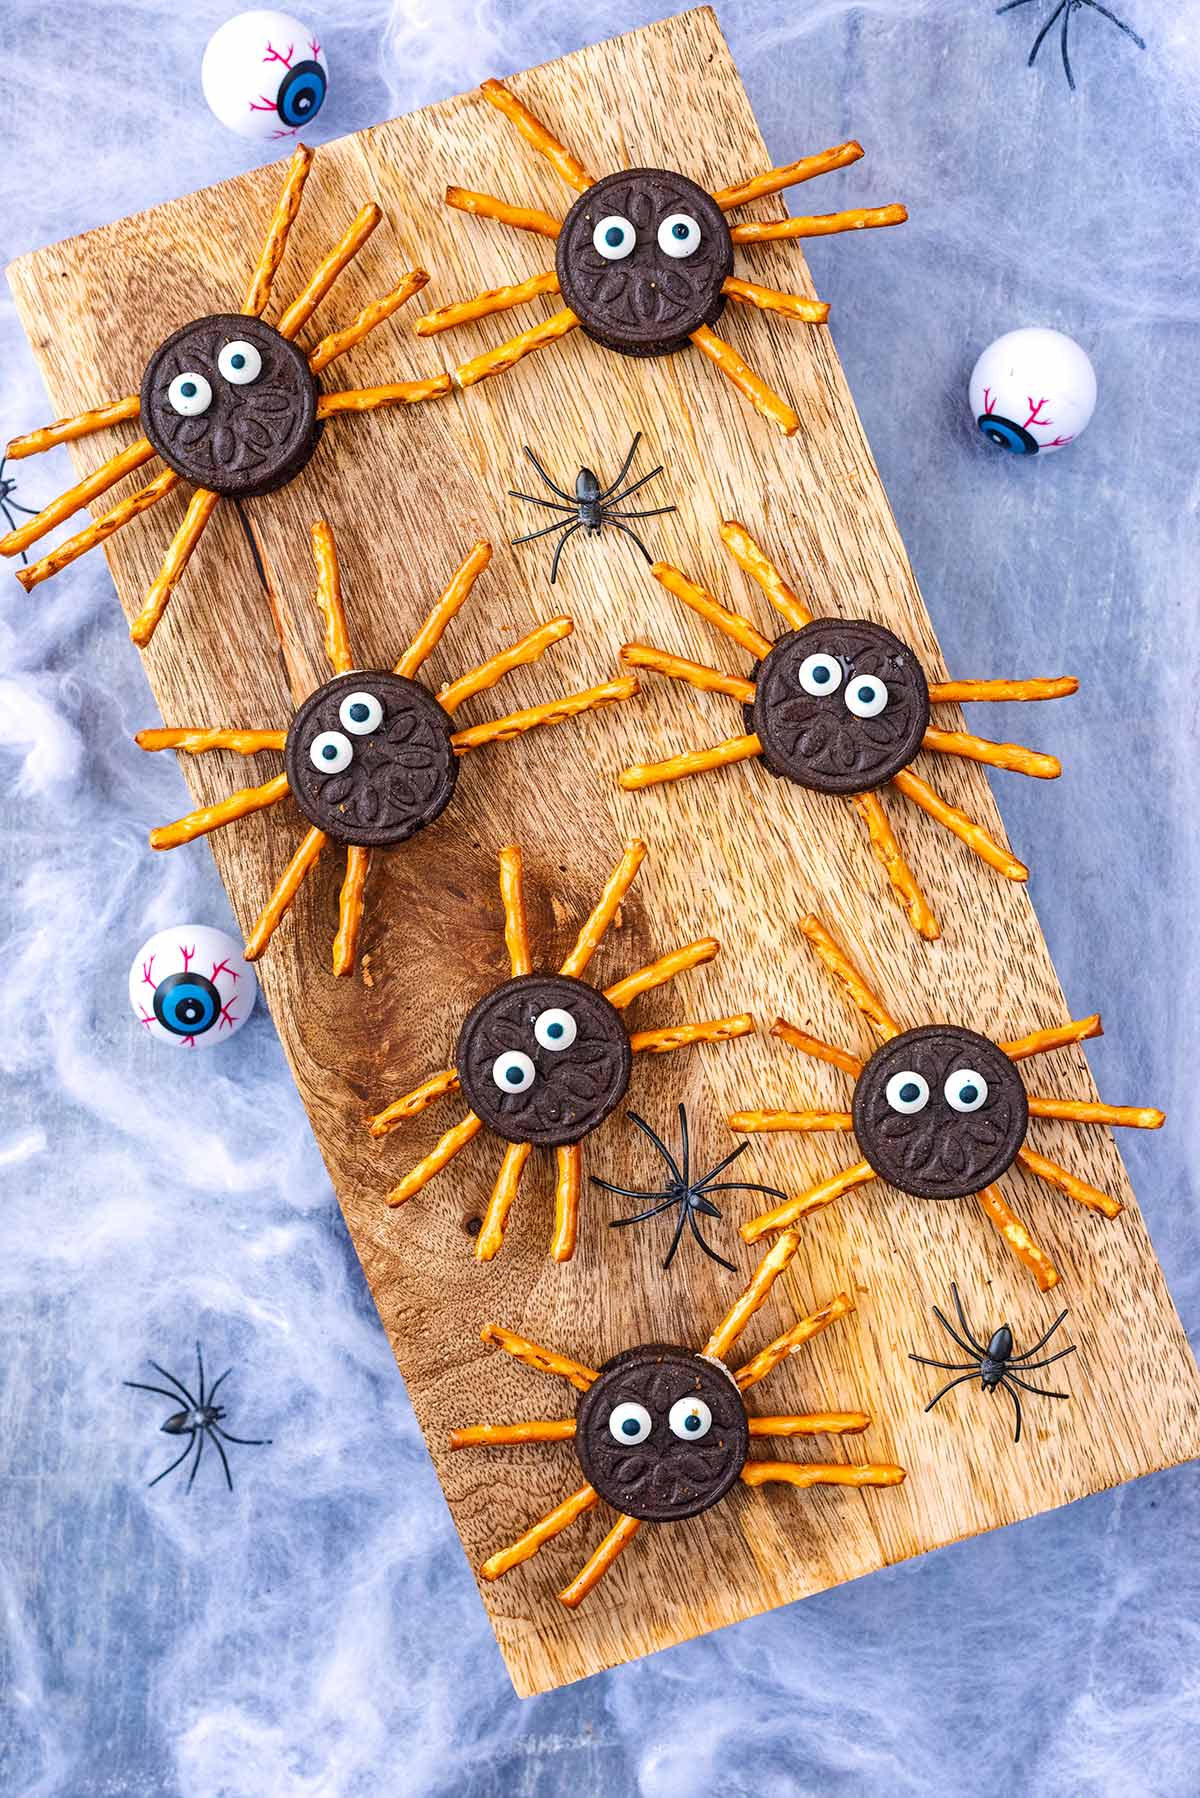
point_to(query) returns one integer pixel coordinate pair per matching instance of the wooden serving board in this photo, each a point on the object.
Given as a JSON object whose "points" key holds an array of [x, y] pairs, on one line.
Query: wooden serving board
{"points": [[736, 854]]}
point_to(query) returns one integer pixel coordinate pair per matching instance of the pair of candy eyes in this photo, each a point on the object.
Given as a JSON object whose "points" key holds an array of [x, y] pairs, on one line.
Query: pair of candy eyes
{"points": [[553, 1029], [689, 1418], [331, 751], [190, 394], [964, 1090], [615, 238], [821, 675]]}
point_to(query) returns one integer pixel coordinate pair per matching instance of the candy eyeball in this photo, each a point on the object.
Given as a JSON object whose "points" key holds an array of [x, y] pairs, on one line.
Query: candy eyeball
{"points": [[690, 1419], [1032, 391], [190, 985], [614, 238], [265, 74], [907, 1092], [189, 394], [630, 1423], [513, 1072], [679, 235]]}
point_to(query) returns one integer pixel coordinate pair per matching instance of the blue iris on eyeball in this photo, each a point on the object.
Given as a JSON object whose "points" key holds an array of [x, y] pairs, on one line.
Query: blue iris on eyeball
{"points": [[301, 93], [1007, 436], [186, 1004]]}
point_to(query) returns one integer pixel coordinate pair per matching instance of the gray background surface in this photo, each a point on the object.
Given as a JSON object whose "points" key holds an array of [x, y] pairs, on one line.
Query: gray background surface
{"points": [[319, 1633]]}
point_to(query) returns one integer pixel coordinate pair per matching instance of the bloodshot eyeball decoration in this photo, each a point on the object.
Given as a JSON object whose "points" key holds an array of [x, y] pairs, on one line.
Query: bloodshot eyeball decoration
{"points": [[543, 1059], [370, 757], [228, 402], [662, 1433], [645, 260], [189, 985], [265, 74], [1032, 391], [840, 706], [939, 1112]]}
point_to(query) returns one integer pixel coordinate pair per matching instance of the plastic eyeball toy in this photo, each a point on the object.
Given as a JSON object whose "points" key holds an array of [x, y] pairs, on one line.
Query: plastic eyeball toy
{"points": [[264, 74], [1032, 391], [189, 985]]}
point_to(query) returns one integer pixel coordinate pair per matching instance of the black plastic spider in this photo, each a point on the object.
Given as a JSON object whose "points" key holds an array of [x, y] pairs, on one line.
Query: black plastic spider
{"points": [[201, 1418], [993, 1365], [1064, 10], [8, 504], [689, 1195], [589, 508]]}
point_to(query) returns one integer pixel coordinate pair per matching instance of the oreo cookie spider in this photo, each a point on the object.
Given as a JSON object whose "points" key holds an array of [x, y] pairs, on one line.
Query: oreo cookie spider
{"points": [[228, 402], [644, 260], [370, 757], [661, 1433], [543, 1059], [939, 1112], [840, 706]]}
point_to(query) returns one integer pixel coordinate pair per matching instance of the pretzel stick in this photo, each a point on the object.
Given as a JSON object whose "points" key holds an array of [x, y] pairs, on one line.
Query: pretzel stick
{"points": [[495, 362], [487, 206], [444, 1150], [542, 1360], [1013, 756], [965, 829], [199, 510], [769, 299], [792, 1210], [493, 299], [286, 888], [68, 430], [765, 400], [536, 134], [1058, 1177], [370, 399], [97, 532], [1059, 1036], [592, 1572], [329, 598], [275, 242], [82, 494], [568, 1163], [338, 342], [512, 897], [962, 690], [848, 977], [812, 1473], [1080, 1111], [812, 1423], [1018, 1238], [692, 761], [812, 1045], [544, 1530], [793, 1340], [350, 909], [731, 624], [411, 1104], [752, 1297], [195, 742], [708, 680], [491, 1236], [791, 174], [591, 931], [211, 817], [553, 711], [657, 973], [500, 1435], [529, 648], [756, 1121], [449, 603], [328, 270], [890, 856], [681, 1036], [759, 566], [818, 224]]}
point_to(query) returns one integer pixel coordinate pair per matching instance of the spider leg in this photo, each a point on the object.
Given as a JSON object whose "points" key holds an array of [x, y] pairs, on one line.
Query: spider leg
{"points": [[617, 1223], [610, 517], [212, 1391], [1042, 1391], [553, 485], [950, 1384], [161, 1390], [618, 499], [1066, 55], [947, 1366], [178, 1384], [532, 536], [741, 1186], [707, 1247], [722, 1165], [658, 1142], [551, 505], [625, 467], [618, 526], [192, 1434], [199, 1452], [243, 1441], [571, 530], [685, 1148], [628, 1192], [1016, 1399], [962, 1318], [1010, 6], [1032, 1366], [224, 1463], [685, 1212], [1041, 1341], [970, 1347], [200, 1366], [1119, 23], [705, 1206], [29, 511], [1043, 33]]}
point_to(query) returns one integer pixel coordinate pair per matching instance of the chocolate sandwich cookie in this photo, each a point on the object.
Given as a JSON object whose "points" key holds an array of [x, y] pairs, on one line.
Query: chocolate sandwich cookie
{"points": [[641, 260], [662, 1434], [369, 758], [840, 706], [543, 1059], [230, 405], [940, 1112]]}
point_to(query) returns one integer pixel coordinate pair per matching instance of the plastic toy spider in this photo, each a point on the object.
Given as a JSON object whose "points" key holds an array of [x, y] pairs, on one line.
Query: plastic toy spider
{"points": [[543, 1059], [369, 757], [201, 1418], [8, 504], [644, 260], [662, 1433], [590, 509], [1064, 10], [939, 1112], [229, 403], [993, 1366], [840, 706], [687, 1195]]}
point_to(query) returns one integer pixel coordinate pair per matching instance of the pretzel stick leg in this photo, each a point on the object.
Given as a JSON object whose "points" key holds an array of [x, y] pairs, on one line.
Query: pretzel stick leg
{"points": [[370, 399], [890, 857], [536, 134], [759, 566], [275, 243], [590, 1575], [542, 1360], [1059, 1036], [811, 1473], [212, 817], [450, 602], [1012, 756], [487, 206], [329, 598], [411, 1104], [692, 761], [1083, 1111], [818, 224], [545, 1530], [706, 680], [286, 888], [491, 1237], [200, 510], [752, 1298], [97, 532], [793, 1340], [497, 361], [966, 690], [769, 299], [493, 299], [568, 1165], [82, 494], [657, 973], [793, 1209], [757, 1121], [502, 1435], [70, 430], [812, 1045], [965, 829], [512, 897], [790, 174], [1062, 1181], [195, 742], [848, 977], [350, 909], [765, 400], [328, 270], [700, 601], [681, 1036], [604, 911], [554, 711], [444, 1150], [372, 315], [812, 1423], [1018, 1238], [527, 649]]}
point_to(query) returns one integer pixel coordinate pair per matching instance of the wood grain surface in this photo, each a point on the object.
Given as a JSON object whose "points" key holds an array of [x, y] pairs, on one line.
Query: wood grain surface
{"points": [[735, 854]]}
